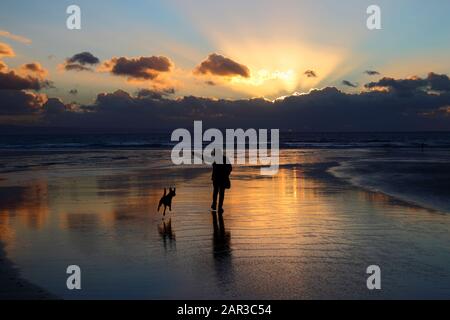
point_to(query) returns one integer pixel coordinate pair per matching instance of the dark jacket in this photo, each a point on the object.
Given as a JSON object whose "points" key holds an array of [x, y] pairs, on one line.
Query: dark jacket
{"points": [[221, 174]]}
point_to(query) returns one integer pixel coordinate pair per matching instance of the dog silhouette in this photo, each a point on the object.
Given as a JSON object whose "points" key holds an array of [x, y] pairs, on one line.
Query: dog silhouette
{"points": [[166, 200]]}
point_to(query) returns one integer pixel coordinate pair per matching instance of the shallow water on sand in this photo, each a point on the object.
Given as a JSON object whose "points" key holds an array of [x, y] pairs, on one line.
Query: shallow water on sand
{"points": [[301, 234]]}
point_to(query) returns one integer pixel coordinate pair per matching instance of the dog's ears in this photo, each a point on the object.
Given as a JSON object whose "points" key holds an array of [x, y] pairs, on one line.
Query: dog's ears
{"points": [[165, 191]]}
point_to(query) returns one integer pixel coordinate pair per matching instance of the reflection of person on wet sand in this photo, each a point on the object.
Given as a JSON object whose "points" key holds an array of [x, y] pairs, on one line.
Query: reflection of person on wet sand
{"points": [[221, 238], [221, 181]]}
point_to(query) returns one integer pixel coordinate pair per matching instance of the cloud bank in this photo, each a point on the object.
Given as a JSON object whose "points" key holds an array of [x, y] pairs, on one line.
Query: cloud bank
{"points": [[18, 88], [327, 109], [389, 104], [13, 81], [433, 82]]}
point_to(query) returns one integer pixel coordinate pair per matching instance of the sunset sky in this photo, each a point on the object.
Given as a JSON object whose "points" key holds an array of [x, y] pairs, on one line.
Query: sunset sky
{"points": [[220, 49]]}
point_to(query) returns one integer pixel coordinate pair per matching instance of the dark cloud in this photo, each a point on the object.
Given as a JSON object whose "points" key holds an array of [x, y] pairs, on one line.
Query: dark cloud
{"points": [[438, 82], [112, 100], [349, 84], [371, 72], [73, 91], [147, 93], [17, 102], [327, 109], [404, 87], [154, 94], [13, 81], [310, 74], [84, 58], [54, 106], [81, 62], [16, 99], [142, 68], [219, 65]]}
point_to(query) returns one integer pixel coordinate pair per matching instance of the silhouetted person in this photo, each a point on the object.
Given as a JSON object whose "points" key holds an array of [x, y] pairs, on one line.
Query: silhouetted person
{"points": [[221, 181]]}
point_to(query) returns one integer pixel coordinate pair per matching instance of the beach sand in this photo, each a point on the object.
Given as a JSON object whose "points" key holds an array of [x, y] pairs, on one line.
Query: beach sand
{"points": [[14, 287], [309, 232]]}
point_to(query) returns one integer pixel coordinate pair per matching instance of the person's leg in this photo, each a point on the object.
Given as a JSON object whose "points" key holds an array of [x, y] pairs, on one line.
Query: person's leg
{"points": [[221, 198], [215, 192]]}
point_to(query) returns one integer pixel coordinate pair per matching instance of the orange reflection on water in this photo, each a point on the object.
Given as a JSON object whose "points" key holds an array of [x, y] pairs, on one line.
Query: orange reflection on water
{"points": [[29, 204], [283, 207]]}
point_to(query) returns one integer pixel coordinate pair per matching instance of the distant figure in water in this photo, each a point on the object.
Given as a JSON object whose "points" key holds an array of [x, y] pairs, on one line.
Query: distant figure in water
{"points": [[221, 181]]}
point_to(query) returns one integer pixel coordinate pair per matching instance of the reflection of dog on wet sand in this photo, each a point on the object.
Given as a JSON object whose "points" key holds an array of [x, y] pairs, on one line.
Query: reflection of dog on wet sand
{"points": [[165, 230], [166, 200]]}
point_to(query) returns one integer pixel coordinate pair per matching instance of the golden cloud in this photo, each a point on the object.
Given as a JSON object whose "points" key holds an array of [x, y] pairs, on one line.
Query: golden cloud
{"points": [[6, 50]]}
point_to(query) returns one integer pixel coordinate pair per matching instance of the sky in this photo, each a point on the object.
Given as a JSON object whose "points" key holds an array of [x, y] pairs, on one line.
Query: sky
{"points": [[233, 50]]}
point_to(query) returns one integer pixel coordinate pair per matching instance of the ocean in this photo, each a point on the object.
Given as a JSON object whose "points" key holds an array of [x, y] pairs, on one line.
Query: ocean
{"points": [[85, 141]]}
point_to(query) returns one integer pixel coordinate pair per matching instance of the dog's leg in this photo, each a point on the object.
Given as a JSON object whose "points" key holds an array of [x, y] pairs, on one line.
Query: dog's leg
{"points": [[164, 213]]}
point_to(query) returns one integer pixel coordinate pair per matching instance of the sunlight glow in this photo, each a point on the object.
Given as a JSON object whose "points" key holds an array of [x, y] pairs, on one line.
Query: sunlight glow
{"points": [[278, 67]]}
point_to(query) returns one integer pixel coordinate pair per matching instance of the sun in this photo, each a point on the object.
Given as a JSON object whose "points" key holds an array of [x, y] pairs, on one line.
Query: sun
{"points": [[258, 78]]}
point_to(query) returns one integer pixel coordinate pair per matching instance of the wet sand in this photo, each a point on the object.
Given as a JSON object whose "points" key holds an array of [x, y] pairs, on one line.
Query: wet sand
{"points": [[13, 286], [302, 234]]}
